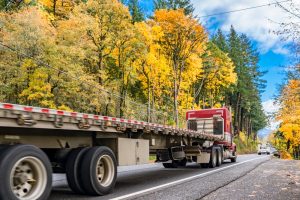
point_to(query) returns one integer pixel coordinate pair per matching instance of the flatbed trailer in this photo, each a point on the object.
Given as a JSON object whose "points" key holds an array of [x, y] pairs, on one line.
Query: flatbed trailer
{"points": [[35, 142]]}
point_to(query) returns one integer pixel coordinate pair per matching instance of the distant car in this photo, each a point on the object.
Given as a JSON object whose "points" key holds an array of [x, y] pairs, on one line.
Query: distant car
{"points": [[264, 150], [276, 153]]}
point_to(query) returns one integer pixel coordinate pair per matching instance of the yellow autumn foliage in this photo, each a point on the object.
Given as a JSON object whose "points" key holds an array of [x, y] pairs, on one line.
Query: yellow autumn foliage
{"points": [[88, 56], [289, 113]]}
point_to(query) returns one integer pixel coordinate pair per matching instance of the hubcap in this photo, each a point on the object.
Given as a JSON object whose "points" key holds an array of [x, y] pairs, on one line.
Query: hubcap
{"points": [[105, 170], [28, 178]]}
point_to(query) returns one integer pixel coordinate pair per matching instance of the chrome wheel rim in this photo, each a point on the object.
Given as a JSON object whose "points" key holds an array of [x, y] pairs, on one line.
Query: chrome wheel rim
{"points": [[28, 178], [105, 170]]}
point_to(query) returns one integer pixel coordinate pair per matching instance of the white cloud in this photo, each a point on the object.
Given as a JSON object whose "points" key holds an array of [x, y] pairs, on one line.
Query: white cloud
{"points": [[270, 108], [259, 24]]}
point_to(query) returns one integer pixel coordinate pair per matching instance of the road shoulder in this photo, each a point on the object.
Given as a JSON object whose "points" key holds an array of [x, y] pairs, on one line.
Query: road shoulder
{"points": [[275, 179]]}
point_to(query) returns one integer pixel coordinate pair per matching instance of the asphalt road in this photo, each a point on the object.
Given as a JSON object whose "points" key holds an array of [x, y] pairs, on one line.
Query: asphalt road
{"points": [[153, 181], [276, 179]]}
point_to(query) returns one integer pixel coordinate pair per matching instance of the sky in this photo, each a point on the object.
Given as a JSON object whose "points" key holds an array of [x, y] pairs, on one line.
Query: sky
{"points": [[259, 25]]}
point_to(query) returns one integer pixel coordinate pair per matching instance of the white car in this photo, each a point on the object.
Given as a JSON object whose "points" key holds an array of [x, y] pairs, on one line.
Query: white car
{"points": [[264, 150]]}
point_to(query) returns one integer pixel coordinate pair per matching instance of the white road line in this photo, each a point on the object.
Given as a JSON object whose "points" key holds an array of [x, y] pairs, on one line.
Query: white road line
{"points": [[183, 180]]}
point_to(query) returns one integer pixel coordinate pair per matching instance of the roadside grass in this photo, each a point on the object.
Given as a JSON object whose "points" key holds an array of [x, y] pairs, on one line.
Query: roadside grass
{"points": [[152, 158], [245, 145]]}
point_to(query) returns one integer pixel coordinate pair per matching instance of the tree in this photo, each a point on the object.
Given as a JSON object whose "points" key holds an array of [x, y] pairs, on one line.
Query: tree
{"points": [[220, 40], [186, 5], [58, 8], [182, 37], [153, 71], [244, 97], [135, 11], [218, 75], [104, 40], [288, 114], [25, 64], [95, 27]]}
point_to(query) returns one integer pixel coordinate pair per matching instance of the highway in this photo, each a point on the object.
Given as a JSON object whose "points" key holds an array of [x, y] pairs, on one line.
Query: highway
{"points": [[153, 181]]}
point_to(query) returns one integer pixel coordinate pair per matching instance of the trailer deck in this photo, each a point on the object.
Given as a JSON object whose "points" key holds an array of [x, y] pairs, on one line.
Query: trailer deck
{"points": [[12, 115]]}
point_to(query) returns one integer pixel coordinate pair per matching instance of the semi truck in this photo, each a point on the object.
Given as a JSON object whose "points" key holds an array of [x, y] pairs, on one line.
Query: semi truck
{"points": [[36, 142]]}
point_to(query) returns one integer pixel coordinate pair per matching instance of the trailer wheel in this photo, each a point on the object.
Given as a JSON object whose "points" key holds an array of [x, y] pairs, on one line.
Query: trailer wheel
{"points": [[98, 171], [72, 169], [25, 173], [213, 158], [3, 149], [219, 157]]}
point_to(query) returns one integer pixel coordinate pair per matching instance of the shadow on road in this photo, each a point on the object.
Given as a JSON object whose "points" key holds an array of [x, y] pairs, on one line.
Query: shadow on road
{"points": [[135, 180]]}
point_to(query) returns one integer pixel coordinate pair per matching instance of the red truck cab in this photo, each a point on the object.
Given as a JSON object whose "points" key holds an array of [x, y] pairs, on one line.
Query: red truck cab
{"points": [[216, 121]]}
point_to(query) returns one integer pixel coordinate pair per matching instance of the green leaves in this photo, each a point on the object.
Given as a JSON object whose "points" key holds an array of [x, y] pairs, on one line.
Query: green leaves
{"points": [[186, 5], [244, 97]]}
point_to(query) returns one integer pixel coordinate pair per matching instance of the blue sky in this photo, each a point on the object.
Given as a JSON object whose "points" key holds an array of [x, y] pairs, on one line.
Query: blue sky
{"points": [[273, 55], [274, 64]]}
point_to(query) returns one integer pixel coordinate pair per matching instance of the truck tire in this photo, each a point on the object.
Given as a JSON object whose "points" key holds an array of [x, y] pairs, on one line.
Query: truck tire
{"points": [[219, 157], [3, 149], [98, 171], [25, 173], [74, 161], [182, 163], [234, 158], [213, 158]]}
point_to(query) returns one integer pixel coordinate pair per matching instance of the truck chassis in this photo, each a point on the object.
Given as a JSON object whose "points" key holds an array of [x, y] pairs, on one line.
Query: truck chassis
{"points": [[35, 142]]}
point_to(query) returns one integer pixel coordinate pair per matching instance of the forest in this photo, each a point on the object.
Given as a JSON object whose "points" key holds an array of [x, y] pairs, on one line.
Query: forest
{"points": [[287, 137], [108, 57]]}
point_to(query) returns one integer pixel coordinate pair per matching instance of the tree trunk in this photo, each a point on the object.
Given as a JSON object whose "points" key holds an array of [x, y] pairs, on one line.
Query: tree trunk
{"points": [[236, 114], [288, 143], [153, 116], [241, 120], [54, 7], [149, 100], [100, 68], [175, 103]]}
